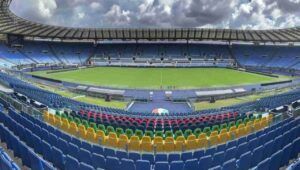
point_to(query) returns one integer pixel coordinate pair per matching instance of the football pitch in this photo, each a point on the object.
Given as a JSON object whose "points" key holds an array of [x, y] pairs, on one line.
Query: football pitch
{"points": [[159, 78]]}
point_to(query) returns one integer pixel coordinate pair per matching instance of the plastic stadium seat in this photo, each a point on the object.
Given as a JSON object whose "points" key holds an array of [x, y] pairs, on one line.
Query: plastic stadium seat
{"points": [[244, 162], [98, 149], [191, 142], [123, 141], [100, 137], [218, 158], [85, 156], [149, 133], [71, 163], [161, 157], [158, 143], [242, 148], [134, 156], [276, 159], [263, 165], [127, 164], [257, 156], [139, 134], [91, 135], [58, 158], [142, 165], [128, 133], [109, 152], [161, 166], [268, 147], [112, 163], [191, 164], [46, 151], [286, 155], [35, 162], [230, 164], [62, 145], [148, 157], [230, 153], [213, 139], [205, 162], [121, 154], [134, 143], [98, 161], [173, 157], [146, 144], [73, 150], [112, 140], [169, 144], [177, 165]]}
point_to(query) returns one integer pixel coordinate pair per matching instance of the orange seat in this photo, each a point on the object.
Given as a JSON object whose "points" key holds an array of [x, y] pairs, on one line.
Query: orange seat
{"points": [[100, 137], [180, 143], [134, 143], [169, 145], [146, 144], [123, 141], [158, 144]]}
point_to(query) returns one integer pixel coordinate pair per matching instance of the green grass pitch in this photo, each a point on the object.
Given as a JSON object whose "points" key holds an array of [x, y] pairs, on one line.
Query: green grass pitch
{"points": [[155, 78]]}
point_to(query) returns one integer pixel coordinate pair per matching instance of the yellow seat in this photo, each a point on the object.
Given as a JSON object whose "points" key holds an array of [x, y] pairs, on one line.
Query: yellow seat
{"points": [[169, 145], [214, 139], [233, 132], [214, 133], [58, 121], [202, 143], [100, 137], [224, 136], [123, 141], [82, 131], [65, 125], [91, 135], [51, 119], [134, 143], [264, 122], [180, 143], [248, 129], [202, 136], [241, 131], [250, 123], [46, 116], [146, 144], [270, 118], [257, 125], [191, 142], [158, 143], [112, 139]]}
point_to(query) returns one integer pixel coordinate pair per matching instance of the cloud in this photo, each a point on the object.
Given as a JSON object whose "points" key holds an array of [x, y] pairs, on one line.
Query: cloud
{"points": [[245, 14]]}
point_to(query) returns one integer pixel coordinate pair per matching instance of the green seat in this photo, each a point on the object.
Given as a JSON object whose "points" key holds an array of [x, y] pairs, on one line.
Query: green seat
{"points": [[238, 122], [187, 133], [231, 124], [223, 126], [252, 118], [159, 133], [128, 133], [77, 121], [246, 120], [215, 128], [119, 131], [85, 123], [207, 131], [93, 125], [139, 133], [178, 133], [149, 133], [109, 129], [168, 133], [197, 132], [63, 116], [101, 127], [70, 118]]}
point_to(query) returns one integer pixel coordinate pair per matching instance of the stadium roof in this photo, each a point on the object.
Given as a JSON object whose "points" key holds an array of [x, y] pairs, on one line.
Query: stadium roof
{"points": [[12, 24]]}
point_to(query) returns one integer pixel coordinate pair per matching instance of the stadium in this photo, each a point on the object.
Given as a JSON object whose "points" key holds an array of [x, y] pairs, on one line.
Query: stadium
{"points": [[170, 98]]}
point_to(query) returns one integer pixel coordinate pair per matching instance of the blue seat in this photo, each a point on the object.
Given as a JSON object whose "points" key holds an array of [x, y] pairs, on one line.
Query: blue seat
{"points": [[127, 164], [257, 156], [76, 141], [177, 165], [296, 148], [276, 160], [263, 165], [71, 163], [112, 163], [161, 158], [142, 165], [98, 150], [52, 140], [161, 166], [230, 153], [62, 145], [277, 143], [5, 164], [86, 145], [231, 144], [210, 151], [216, 168], [121, 154], [47, 151], [148, 157], [58, 158], [24, 154], [286, 155], [173, 157], [73, 150], [109, 152], [231, 164], [186, 155], [84, 166], [244, 162], [253, 143], [241, 140], [218, 158], [221, 148], [134, 156], [268, 148], [205, 162], [37, 144], [191, 164], [242, 148], [85, 156], [35, 162], [250, 137], [98, 161], [198, 154]]}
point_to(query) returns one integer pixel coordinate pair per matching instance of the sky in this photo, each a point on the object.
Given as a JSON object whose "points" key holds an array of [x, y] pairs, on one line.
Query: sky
{"points": [[241, 14]]}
